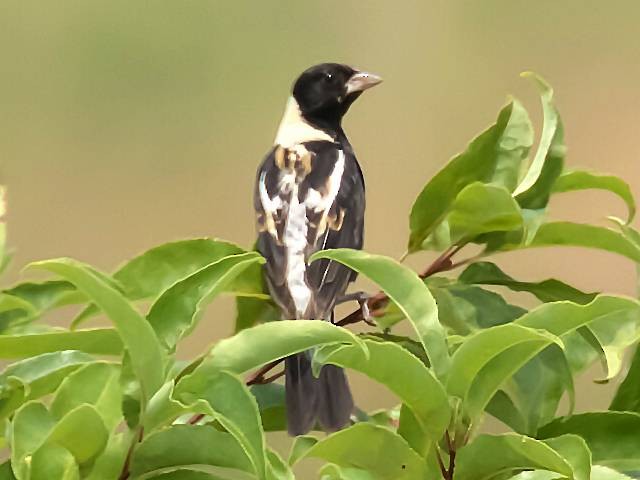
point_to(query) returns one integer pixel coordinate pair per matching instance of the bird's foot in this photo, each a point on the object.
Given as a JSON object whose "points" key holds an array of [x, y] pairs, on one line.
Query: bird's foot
{"points": [[363, 300]]}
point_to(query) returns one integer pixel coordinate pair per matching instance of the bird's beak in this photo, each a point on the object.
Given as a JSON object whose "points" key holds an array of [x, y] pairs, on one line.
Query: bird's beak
{"points": [[360, 81]]}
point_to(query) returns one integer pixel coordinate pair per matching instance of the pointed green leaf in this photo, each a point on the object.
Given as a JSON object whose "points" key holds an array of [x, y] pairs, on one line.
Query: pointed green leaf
{"points": [[6, 473], [277, 468], [35, 377], [534, 190], [272, 406], [135, 332], [612, 437], [627, 396], [372, 448], [184, 474], [178, 310], [588, 236], [494, 155], [550, 290], [253, 311], [259, 345], [477, 370], [233, 406], [583, 180], [479, 208], [489, 455], [96, 384], [82, 432], [408, 292], [109, 463], [157, 269], [186, 445], [98, 341], [29, 430], [53, 461], [40, 297], [403, 374], [465, 308]]}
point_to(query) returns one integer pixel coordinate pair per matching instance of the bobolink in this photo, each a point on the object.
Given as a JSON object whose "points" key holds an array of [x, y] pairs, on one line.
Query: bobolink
{"points": [[309, 196]]}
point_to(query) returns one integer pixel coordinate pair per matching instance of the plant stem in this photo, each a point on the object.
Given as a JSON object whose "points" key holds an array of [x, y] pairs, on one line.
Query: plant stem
{"points": [[137, 438]]}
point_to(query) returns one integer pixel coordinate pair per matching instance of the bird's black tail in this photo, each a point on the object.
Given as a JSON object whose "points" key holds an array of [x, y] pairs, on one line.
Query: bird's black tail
{"points": [[326, 399]]}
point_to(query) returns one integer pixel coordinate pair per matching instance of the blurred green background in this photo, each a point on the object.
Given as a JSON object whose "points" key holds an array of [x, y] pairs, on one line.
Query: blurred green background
{"points": [[126, 124]]}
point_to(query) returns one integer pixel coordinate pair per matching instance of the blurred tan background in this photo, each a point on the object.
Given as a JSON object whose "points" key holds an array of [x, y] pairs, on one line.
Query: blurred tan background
{"points": [[125, 124]]}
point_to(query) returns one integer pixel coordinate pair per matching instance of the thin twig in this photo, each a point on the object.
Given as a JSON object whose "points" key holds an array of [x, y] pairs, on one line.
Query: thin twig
{"points": [[452, 455], [443, 470], [137, 438], [258, 375]]}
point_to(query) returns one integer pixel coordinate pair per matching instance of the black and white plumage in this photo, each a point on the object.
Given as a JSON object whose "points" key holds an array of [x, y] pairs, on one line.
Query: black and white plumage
{"points": [[309, 196]]}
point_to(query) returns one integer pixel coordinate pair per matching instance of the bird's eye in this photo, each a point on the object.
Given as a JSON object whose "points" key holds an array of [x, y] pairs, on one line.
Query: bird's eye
{"points": [[328, 77]]}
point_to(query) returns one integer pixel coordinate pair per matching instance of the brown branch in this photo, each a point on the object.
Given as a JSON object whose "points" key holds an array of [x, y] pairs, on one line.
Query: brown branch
{"points": [[452, 455], [443, 470], [257, 377]]}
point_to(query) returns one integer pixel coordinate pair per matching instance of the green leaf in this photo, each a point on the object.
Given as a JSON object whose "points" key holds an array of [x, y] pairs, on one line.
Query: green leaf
{"points": [[272, 406], [550, 290], [99, 341], [612, 437], [489, 455], [403, 374], [408, 292], [278, 469], [588, 236], [96, 384], [627, 396], [136, 333], [109, 463], [184, 474], [534, 190], [35, 377], [82, 432], [155, 270], [186, 445], [495, 155], [253, 311], [465, 308], [12, 302], [233, 406], [333, 472], [372, 448], [487, 358], [152, 272], [53, 461], [603, 473], [40, 297], [301, 445], [614, 323], [29, 430], [259, 345], [479, 208], [178, 310], [6, 473], [531, 397], [583, 180]]}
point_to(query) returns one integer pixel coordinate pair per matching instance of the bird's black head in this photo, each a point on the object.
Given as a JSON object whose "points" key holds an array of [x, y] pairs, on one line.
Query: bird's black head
{"points": [[325, 92]]}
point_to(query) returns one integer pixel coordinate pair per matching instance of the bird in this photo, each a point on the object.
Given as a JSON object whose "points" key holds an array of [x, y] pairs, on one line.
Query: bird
{"points": [[310, 195]]}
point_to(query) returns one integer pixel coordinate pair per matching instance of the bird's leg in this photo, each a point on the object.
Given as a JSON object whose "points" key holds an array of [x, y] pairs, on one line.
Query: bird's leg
{"points": [[363, 300]]}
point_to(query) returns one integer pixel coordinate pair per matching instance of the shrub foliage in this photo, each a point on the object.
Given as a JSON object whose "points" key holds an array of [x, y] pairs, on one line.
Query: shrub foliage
{"points": [[115, 403]]}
